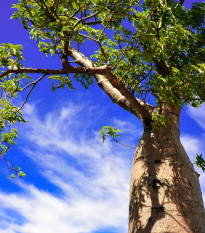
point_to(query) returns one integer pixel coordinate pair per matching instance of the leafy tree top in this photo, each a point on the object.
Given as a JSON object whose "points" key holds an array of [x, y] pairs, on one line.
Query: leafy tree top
{"points": [[150, 58], [155, 48]]}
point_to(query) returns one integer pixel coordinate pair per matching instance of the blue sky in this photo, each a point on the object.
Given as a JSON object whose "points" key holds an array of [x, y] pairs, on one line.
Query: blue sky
{"points": [[74, 183]]}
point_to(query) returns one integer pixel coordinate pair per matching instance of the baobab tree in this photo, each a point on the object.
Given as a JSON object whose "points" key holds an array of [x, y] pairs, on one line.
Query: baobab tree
{"points": [[151, 63]]}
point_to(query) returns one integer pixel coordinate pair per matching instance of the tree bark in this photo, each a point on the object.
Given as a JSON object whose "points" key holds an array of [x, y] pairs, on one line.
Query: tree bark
{"points": [[165, 194]]}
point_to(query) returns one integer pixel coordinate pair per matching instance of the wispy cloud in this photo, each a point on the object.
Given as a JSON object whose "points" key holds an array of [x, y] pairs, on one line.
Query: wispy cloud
{"points": [[94, 186], [192, 145], [198, 114], [93, 178]]}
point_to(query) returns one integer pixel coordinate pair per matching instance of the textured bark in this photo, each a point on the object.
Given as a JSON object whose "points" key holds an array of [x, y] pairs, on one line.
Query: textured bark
{"points": [[165, 194]]}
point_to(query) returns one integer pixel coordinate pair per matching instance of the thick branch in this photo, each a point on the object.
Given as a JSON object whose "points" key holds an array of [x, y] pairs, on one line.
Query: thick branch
{"points": [[115, 89], [70, 69]]}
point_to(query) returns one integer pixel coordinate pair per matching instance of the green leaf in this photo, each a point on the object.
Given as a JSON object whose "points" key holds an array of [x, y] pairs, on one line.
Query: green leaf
{"points": [[159, 121], [21, 174], [200, 162], [107, 130], [12, 176]]}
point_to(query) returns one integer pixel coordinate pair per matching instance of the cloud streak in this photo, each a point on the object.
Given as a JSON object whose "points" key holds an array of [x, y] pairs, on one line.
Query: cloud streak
{"points": [[93, 178], [198, 114]]}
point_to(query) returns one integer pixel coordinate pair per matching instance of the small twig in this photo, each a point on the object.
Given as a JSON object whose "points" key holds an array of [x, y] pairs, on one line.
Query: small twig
{"points": [[1, 156], [123, 53], [27, 96], [102, 32], [74, 14], [34, 84], [124, 144], [92, 22], [85, 18], [97, 41], [103, 52], [7, 162], [88, 37]]}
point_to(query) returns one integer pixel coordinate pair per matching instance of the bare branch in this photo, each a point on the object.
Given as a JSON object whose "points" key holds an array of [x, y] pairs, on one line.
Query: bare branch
{"points": [[1, 156], [125, 49], [34, 84], [124, 144], [85, 18], [74, 14], [27, 96]]}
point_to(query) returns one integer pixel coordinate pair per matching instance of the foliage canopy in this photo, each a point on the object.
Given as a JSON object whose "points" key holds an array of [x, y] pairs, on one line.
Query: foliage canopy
{"points": [[151, 51]]}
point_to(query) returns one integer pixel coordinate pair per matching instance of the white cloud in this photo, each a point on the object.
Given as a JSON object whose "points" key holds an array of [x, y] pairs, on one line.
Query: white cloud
{"points": [[93, 178], [198, 114], [202, 182], [192, 146], [129, 129], [94, 187], [195, 145]]}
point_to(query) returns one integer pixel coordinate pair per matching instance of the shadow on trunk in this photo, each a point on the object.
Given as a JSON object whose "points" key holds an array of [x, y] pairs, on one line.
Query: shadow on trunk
{"points": [[165, 194]]}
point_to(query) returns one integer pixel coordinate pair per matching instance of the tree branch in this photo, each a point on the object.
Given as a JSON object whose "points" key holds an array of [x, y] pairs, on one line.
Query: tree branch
{"points": [[34, 84], [124, 144], [71, 69], [84, 19], [115, 89]]}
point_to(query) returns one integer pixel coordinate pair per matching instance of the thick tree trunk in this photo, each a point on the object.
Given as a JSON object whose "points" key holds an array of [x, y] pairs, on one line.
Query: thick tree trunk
{"points": [[165, 194]]}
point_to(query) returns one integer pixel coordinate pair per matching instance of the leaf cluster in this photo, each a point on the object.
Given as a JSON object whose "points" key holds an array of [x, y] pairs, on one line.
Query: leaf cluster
{"points": [[159, 121], [18, 171], [200, 162], [132, 38], [11, 56], [9, 115], [155, 48], [112, 132]]}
